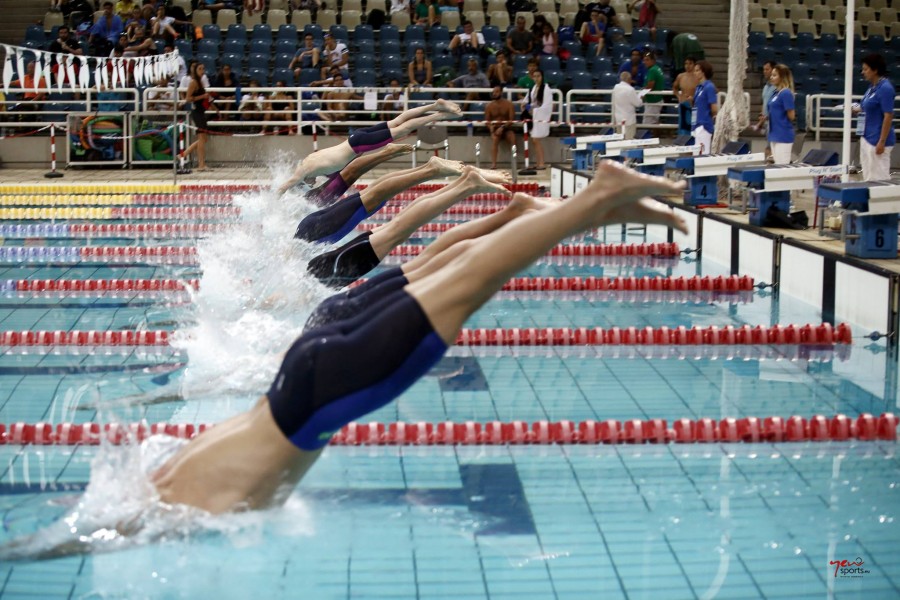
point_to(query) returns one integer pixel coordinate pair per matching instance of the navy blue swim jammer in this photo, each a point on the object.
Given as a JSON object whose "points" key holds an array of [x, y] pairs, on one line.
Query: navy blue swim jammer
{"points": [[370, 138], [337, 373], [346, 305], [345, 264], [332, 223]]}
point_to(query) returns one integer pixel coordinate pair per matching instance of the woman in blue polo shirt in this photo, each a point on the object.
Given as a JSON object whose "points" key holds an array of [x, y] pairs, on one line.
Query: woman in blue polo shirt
{"points": [[781, 115], [878, 136], [706, 106]]}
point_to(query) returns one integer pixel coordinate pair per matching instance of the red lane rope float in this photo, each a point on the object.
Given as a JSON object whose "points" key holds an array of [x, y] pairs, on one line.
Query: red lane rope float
{"points": [[660, 336], [407, 197], [733, 283], [139, 230], [167, 213], [668, 250], [818, 428], [183, 199], [105, 285], [823, 334]]}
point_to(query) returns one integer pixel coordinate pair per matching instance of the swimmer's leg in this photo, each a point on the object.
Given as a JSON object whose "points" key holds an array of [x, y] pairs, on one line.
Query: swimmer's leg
{"points": [[388, 186], [364, 163], [439, 106], [320, 162], [449, 296], [390, 235], [447, 246]]}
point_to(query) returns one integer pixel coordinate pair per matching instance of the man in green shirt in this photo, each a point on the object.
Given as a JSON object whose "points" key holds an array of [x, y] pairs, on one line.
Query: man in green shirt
{"points": [[654, 81]]}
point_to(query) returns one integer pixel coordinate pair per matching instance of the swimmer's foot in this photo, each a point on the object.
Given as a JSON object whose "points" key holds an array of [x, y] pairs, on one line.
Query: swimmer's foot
{"points": [[615, 186], [446, 106], [646, 212], [495, 176], [477, 184], [395, 149], [446, 167]]}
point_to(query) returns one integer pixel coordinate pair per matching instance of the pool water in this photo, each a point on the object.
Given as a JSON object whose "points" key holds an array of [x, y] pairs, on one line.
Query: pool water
{"points": [[650, 521]]}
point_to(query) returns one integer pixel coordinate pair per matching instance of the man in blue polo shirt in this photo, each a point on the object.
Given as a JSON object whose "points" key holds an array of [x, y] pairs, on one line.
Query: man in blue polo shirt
{"points": [[706, 107], [636, 68], [878, 137]]}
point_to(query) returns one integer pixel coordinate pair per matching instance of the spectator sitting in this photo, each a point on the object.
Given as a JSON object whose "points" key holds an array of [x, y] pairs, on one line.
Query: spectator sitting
{"points": [[65, 43], [336, 101], [625, 101], [500, 115], [31, 97], [213, 5], [549, 41], [467, 42], [163, 25], [281, 107], [419, 69], [307, 56], [134, 21], [501, 72], [537, 32], [646, 15], [160, 97], [422, 13], [329, 81], [182, 66], [608, 12], [447, 6], [124, 8], [147, 13], [593, 31], [399, 6], [474, 78], [106, 31], [335, 54], [251, 104], [519, 41], [138, 44], [312, 6], [392, 104], [635, 68], [225, 79], [527, 80]]}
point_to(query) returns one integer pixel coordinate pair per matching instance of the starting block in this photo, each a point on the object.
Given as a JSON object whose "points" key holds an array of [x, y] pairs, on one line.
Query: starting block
{"points": [[703, 172], [869, 227], [583, 148]]}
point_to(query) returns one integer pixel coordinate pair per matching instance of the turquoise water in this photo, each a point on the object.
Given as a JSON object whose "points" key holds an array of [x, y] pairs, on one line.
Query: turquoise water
{"points": [[676, 521]]}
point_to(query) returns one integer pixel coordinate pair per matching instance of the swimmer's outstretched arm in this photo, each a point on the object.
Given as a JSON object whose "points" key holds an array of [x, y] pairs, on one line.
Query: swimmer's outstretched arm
{"points": [[450, 295]]}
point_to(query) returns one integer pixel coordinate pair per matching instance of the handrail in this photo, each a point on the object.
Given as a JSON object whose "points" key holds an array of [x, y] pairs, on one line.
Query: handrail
{"points": [[818, 107]]}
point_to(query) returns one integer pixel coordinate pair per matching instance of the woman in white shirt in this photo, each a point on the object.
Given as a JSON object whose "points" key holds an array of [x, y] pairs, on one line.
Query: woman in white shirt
{"points": [[539, 102]]}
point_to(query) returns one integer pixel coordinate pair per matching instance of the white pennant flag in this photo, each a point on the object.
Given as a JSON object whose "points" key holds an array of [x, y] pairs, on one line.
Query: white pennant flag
{"points": [[123, 72], [7, 68], [48, 71], [139, 72], [20, 65], [38, 70], [84, 74], [70, 68], [104, 72], [98, 80], [114, 75], [60, 71]]}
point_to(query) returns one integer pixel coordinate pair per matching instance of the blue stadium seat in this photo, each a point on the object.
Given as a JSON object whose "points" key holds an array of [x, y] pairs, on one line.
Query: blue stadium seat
{"points": [[340, 33], [207, 46], [575, 48], [364, 61], [520, 64], [816, 56], [184, 49], [875, 43], [261, 31], [285, 75], [365, 46], [236, 31], [365, 78], [615, 35], [420, 98], [259, 61], [316, 32], [755, 41], [800, 109], [35, 33], [607, 81], [828, 41], [414, 32], [283, 61], [260, 75], [582, 80], [209, 61], [640, 36], [554, 78], [491, 35], [307, 76], [391, 62], [363, 32], [860, 86], [834, 85], [780, 40], [286, 46], [575, 64], [801, 69], [439, 33], [895, 47], [805, 42], [593, 113], [160, 46], [212, 33], [620, 52], [235, 61], [389, 32], [390, 46], [287, 32], [764, 54], [233, 47], [600, 63], [388, 74], [790, 55], [412, 45], [260, 46], [442, 61]]}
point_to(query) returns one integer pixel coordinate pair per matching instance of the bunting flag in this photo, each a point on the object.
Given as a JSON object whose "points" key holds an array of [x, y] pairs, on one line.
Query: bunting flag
{"points": [[109, 73]]}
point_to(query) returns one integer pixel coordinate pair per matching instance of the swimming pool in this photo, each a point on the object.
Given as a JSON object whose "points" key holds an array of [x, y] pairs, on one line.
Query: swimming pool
{"points": [[533, 521]]}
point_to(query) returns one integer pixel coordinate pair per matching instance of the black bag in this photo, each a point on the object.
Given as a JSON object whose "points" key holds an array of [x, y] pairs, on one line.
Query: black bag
{"points": [[780, 219], [376, 18]]}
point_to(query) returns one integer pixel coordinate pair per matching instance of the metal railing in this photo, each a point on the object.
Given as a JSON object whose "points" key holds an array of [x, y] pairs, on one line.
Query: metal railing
{"points": [[824, 115]]}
